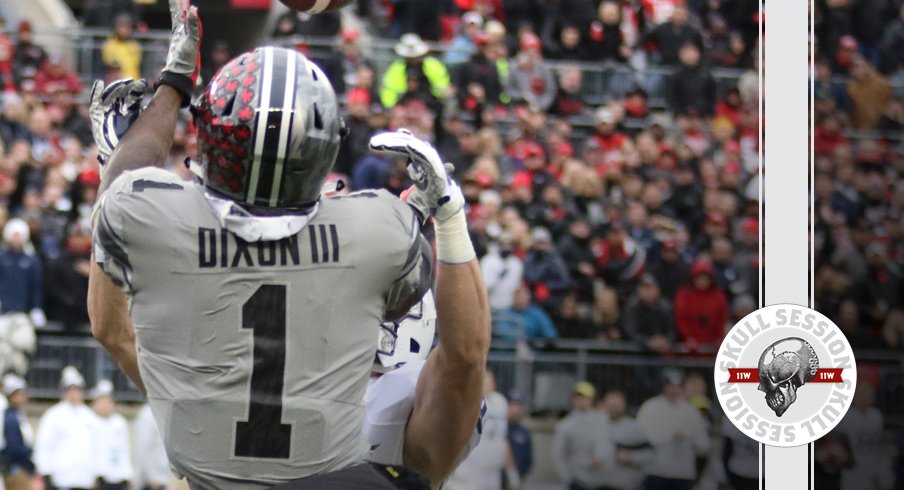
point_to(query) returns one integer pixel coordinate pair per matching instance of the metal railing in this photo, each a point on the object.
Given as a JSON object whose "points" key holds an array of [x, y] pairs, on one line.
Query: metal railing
{"points": [[542, 371]]}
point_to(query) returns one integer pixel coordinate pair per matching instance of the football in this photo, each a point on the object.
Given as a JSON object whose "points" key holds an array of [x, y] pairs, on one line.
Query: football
{"points": [[315, 6]]}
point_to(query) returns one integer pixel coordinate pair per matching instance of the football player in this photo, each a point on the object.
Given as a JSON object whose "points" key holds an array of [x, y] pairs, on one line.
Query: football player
{"points": [[401, 358], [251, 296]]}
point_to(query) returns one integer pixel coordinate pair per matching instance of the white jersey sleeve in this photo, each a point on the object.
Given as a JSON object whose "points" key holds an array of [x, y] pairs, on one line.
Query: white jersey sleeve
{"points": [[388, 404]]}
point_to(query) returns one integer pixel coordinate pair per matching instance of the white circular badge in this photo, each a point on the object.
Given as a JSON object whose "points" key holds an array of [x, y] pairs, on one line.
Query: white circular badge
{"points": [[785, 375]]}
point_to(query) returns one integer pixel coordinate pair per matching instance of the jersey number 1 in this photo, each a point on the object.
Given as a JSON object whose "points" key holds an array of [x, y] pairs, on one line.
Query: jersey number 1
{"points": [[263, 435]]}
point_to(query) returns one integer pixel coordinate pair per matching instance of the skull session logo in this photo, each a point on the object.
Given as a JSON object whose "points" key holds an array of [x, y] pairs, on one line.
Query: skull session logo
{"points": [[785, 375]]}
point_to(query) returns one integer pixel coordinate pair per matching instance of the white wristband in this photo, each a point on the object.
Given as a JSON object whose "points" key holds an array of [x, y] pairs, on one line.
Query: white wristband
{"points": [[453, 244]]}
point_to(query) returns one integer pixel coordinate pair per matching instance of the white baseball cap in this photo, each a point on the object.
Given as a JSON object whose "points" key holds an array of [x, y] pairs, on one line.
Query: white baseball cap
{"points": [[71, 377], [12, 384]]}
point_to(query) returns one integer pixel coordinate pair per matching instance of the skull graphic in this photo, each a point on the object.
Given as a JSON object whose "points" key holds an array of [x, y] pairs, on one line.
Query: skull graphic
{"points": [[784, 367]]}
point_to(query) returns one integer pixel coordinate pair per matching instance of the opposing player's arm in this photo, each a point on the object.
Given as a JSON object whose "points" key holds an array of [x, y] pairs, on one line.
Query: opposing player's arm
{"points": [[449, 391]]}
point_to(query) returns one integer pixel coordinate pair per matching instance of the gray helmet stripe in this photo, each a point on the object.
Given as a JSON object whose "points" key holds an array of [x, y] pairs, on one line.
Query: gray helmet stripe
{"points": [[285, 128], [260, 132]]}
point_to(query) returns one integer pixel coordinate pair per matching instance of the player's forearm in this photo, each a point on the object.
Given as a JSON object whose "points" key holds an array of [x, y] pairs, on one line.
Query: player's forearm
{"points": [[450, 388], [111, 325], [463, 314], [149, 140]]}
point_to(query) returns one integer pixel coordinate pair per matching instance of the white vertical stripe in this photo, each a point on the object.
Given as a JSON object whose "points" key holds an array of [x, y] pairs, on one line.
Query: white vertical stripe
{"points": [[287, 108], [786, 193], [262, 115]]}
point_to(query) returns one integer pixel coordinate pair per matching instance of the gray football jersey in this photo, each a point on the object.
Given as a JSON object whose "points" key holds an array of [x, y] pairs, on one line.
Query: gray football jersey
{"points": [[256, 356]]}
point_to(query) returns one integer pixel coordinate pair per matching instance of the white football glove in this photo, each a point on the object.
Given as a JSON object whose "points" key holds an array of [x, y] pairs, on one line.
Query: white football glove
{"points": [[435, 193], [183, 61], [113, 110]]}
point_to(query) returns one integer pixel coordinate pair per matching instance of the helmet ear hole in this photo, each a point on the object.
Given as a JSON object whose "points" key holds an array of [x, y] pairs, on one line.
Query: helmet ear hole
{"points": [[314, 74], [415, 347], [318, 120]]}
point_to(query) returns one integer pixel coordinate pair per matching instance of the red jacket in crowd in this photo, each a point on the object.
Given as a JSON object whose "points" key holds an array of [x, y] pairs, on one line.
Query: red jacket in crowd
{"points": [[701, 308]]}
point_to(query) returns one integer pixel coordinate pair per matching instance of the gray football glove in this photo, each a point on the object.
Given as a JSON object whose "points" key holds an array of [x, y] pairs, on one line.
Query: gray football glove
{"points": [[435, 193], [183, 61], [113, 110]]}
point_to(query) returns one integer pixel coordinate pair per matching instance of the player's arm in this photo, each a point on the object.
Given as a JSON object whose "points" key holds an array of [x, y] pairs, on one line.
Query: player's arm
{"points": [[108, 311], [449, 391], [150, 138]]}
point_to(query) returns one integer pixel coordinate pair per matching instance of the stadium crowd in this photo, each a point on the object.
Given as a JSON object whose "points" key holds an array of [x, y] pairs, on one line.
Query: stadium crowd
{"points": [[632, 218]]}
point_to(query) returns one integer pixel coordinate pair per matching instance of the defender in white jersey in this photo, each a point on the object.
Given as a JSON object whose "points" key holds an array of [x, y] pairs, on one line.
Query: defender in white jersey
{"points": [[248, 292], [402, 351]]}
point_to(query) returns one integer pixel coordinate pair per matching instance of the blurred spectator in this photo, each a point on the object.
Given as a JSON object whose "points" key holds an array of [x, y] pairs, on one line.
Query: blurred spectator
{"points": [[519, 438], [740, 458], [28, 56], [502, 273], [54, 78], [568, 45], [464, 44], [845, 55], [862, 425], [667, 38], [880, 290], [606, 42], [64, 452], [415, 16], [122, 49], [16, 466], [220, 54], [7, 80], [832, 456], [67, 278], [482, 469], [850, 322], [72, 121], [701, 309], [324, 24], [531, 81], [352, 60], [607, 315], [21, 281], [582, 448], [113, 461], [825, 88], [728, 277], [12, 121], [413, 64], [869, 93], [483, 77], [693, 89], [575, 249], [103, 13], [574, 319], [620, 258], [677, 433], [544, 270], [892, 45], [355, 146], [671, 270], [632, 450], [648, 318], [524, 320], [569, 99], [152, 469]]}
